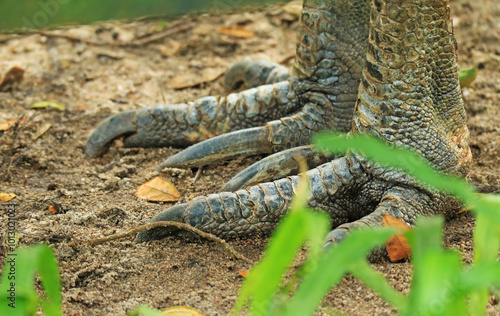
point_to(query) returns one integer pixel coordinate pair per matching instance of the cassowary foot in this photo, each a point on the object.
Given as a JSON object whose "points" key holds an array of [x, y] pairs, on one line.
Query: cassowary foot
{"points": [[384, 68]]}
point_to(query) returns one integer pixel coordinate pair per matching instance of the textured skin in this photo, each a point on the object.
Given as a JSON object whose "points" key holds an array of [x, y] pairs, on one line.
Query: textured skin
{"points": [[410, 93], [188, 123], [331, 42], [282, 163], [250, 73], [381, 67]]}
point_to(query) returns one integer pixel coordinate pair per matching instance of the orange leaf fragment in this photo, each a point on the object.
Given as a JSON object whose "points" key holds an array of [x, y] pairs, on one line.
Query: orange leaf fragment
{"points": [[182, 311], [244, 273], [158, 189], [397, 247], [53, 209], [6, 197], [6, 125], [236, 31]]}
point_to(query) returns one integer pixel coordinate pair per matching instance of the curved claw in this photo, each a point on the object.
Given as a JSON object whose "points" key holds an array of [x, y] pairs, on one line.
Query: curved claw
{"points": [[276, 166], [275, 136], [174, 214], [184, 124], [252, 73], [251, 141], [258, 208], [114, 126]]}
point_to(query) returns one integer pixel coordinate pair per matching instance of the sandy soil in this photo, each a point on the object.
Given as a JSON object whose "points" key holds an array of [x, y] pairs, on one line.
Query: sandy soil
{"points": [[43, 164]]}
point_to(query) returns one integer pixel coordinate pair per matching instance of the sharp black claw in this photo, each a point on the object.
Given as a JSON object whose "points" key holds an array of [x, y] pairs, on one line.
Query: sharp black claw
{"points": [[273, 167], [251, 141], [173, 214], [114, 126]]}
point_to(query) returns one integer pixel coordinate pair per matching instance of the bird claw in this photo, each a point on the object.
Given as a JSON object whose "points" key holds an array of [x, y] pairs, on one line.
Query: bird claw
{"points": [[114, 126], [276, 166]]}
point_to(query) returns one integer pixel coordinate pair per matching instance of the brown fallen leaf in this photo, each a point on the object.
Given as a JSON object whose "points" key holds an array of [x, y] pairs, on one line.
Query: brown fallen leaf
{"points": [[244, 273], [236, 31], [6, 197], [158, 189], [397, 247], [182, 311], [172, 48], [6, 125], [194, 79], [53, 209], [12, 75], [42, 130]]}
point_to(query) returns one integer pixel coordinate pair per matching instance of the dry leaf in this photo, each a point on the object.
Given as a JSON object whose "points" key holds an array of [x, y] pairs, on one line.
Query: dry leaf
{"points": [[158, 190], [171, 49], [182, 311], [12, 75], [244, 273], [53, 209], [6, 197], [48, 104], [397, 247], [42, 130], [110, 53], [6, 125], [192, 79], [236, 31]]}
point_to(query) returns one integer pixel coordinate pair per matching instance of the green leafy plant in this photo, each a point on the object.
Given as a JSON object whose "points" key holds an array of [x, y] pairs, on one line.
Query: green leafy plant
{"points": [[441, 284], [18, 294], [467, 76]]}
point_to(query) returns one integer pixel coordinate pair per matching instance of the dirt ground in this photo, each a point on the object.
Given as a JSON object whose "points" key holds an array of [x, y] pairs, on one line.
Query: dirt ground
{"points": [[91, 72]]}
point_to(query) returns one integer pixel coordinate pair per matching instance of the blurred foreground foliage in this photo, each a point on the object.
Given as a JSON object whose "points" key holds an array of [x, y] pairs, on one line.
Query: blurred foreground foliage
{"points": [[24, 14]]}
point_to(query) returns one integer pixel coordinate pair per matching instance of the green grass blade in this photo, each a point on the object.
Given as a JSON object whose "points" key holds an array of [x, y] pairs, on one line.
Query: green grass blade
{"points": [[480, 277], [486, 244], [433, 289], [264, 279], [29, 261], [49, 275], [331, 268], [21, 286], [378, 151], [362, 270]]}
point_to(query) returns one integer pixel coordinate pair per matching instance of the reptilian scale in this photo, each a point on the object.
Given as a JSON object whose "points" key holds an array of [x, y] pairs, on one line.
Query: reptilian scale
{"points": [[381, 67]]}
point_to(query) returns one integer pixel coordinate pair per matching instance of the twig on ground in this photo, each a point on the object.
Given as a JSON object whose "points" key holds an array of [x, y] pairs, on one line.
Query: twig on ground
{"points": [[137, 43], [183, 226], [18, 128], [197, 175]]}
